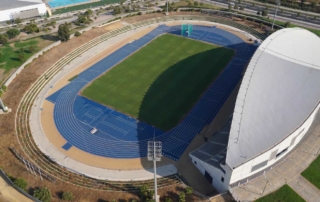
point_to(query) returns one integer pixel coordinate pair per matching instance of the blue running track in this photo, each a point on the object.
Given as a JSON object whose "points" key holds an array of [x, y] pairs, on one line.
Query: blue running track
{"points": [[121, 136]]}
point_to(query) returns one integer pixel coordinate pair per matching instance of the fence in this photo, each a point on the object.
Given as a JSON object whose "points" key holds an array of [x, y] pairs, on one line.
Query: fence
{"points": [[9, 182]]}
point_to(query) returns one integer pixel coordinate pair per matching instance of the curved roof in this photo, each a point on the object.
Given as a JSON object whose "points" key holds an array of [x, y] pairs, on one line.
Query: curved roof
{"points": [[10, 4], [280, 89]]}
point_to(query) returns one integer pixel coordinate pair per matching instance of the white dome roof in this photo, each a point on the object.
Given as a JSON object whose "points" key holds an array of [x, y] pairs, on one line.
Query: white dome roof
{"points": [[280, 89]]}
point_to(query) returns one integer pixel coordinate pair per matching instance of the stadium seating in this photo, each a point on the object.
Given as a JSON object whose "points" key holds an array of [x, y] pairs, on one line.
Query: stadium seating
{"points": [[75, 127]]}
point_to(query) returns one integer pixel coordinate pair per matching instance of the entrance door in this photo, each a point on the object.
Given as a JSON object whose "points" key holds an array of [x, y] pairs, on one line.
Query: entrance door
{"points": [[208, 177]]}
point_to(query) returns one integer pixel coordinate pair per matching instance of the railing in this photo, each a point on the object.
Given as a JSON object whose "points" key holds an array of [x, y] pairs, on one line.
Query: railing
{"points": [[9, 182]]}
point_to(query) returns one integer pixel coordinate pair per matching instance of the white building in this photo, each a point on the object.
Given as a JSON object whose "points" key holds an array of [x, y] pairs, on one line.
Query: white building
{"points": [[12, 9], [276, 105]]}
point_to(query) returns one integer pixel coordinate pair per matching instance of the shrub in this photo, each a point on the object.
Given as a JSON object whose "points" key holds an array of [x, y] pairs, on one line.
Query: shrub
{"points": [[77, 33], [287, 24], [43, 194], [182, 197], [168, 200], [264, 13], [189, 190], [3, 38], [67, 196], [20, 182]]}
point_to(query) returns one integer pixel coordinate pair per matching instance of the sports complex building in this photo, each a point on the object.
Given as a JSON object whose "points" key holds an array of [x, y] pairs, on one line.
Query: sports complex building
{"points": [[12, 9], [94, 111], [276, 104]]}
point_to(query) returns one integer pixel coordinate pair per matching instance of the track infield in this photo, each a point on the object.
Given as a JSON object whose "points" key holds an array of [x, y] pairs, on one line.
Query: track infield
{"points": [[162, 81]]}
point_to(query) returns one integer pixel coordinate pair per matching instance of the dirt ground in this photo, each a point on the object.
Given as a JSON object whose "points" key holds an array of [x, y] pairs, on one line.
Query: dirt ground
{"points": [[9, 194], [12, 98]]}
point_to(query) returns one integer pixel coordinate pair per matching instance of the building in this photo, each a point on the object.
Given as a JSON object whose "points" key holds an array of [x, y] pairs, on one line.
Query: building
{"points": [[12, 9], [276, 104]]}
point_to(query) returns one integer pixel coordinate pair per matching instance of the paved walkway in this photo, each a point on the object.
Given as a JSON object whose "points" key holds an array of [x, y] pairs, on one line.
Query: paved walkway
{"points": [[287, 172], [9, 194]]}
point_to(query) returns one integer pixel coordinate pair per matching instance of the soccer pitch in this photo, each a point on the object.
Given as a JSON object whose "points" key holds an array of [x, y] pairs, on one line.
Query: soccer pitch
{"points": [[162, 81]]}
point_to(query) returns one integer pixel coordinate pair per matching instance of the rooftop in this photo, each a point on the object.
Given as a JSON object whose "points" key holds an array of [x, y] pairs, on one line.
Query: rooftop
{"points": [[10, 4], [280, 89]]}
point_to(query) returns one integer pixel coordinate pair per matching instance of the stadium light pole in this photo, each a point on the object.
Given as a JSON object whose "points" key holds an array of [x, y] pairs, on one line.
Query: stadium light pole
{"points": [[154, 154], [278, 2]]}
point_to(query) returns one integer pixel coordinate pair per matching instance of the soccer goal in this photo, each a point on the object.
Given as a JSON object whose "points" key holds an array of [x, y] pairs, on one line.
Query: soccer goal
{"points": [[186, 29]]}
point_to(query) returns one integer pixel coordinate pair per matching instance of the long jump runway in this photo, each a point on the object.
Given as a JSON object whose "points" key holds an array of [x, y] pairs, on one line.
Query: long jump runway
{"points": [[121, 136]]}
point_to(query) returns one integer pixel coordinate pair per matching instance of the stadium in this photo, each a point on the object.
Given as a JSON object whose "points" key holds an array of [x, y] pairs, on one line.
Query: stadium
{"points": [[216, 99], [23, 9]]}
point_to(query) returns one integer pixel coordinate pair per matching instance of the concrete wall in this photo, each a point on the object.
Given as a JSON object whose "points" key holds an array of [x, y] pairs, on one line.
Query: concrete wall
{"points": [[6, 15], [244, 171], [215, 173]]}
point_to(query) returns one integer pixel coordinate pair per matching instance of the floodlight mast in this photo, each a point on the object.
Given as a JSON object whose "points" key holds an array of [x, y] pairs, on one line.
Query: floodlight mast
{"points": [[154, 154], [278, 2]]}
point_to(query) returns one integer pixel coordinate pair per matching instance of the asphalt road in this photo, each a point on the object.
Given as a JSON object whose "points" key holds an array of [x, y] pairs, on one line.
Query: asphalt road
{"points": [[301, 20]]}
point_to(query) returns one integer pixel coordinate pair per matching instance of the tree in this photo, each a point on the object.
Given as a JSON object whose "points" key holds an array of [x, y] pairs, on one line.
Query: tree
{"points": [[182, 197], [77, 34], [4, 87], [189, 190], [189, 4], [287, 24], [195, 3], [43, 194], [64, 32], [83, 19], [12, 33], [67, 196], [3, 38], [8, 22], [298, 14], [145, 194], [20, 182], [168, 200], [235, 6], [21, 50], [201, 3], [20, 56], [17, 21], [264, 13], [241, 8], [229, 7], [31, 49], [0, 56], [88, 12], [31, 28], [116, 10]]}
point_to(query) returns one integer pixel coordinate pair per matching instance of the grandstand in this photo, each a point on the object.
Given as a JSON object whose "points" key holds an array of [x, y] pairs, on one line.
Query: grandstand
{"points": [[23, 9], [68, 102], [276, 104]]}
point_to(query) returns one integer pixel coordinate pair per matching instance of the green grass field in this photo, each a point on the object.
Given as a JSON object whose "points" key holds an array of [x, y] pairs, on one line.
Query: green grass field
{"points": [[9, 53], [162, 81], [284, 194], [84, 6], [312, 173]]}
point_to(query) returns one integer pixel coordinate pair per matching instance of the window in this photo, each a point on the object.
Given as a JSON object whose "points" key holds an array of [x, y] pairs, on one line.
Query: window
{"points": [[222, 179], [259, 165], [282, 152]]}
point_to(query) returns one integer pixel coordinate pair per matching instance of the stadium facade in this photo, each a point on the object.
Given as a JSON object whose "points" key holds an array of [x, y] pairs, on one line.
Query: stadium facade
{"points": [[23, 9], [275, 107]]}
